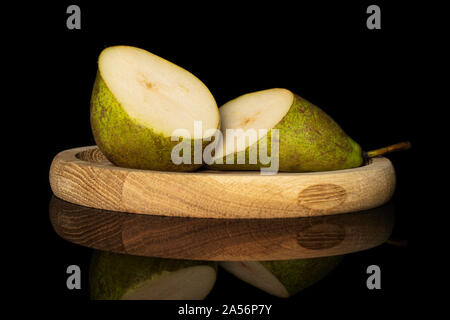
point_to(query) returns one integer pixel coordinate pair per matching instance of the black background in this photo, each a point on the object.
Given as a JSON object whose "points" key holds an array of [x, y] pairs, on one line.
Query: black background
{"points": [[364, 79]]}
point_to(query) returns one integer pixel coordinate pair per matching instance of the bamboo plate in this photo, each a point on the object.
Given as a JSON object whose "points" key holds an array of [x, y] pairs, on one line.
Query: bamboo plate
{"points": [[84, 176], [221, 239]]}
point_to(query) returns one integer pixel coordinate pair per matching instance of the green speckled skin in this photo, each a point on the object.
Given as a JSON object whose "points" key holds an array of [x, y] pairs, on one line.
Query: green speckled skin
{"points": [[296, 275], [124, 141], [112, 274], [310, 140]]}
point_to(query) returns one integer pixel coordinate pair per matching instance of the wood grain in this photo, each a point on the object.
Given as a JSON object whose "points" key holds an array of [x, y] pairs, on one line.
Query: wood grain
{"points": [[84, 176], [221, 239]]}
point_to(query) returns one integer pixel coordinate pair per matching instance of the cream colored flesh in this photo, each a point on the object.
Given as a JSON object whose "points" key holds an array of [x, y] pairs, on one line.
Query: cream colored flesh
{"points": [[193, 283], [157, 93], [253, 111], [257, 275]]}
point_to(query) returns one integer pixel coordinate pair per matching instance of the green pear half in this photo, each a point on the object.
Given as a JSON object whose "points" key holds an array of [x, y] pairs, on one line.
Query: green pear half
{"points": [[125, 277], [308, 139], [282, 278], [139, 101]]}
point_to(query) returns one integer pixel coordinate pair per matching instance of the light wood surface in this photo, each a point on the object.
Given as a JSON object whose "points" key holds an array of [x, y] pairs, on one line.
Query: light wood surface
{"points": [[84, 176], [221, 239]]}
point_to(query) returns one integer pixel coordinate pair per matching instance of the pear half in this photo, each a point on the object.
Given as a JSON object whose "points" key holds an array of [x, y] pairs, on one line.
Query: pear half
{"points": [[308, 139], [282, 278], [139, 101], [125, 277]]}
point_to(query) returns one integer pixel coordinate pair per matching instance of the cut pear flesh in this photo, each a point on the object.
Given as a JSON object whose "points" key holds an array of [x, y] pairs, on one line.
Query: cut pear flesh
{"points": [[253, 111], [258, 110], [157, 93], [193, 283]]}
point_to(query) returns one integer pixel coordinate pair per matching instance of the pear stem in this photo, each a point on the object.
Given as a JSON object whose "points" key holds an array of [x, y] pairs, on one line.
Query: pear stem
{"points": [[382, 151], [397, 242]]}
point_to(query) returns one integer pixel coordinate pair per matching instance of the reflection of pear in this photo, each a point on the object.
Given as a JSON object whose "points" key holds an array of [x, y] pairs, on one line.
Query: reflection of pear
{"points": [[124, 277], [285, 277]]}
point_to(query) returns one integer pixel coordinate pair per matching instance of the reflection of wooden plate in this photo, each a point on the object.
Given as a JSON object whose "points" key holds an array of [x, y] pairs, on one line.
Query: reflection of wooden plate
{"points": [[221, 239], [84, 176]]}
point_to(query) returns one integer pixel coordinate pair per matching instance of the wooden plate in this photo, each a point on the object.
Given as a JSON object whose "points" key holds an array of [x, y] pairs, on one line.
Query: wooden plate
{"points": [[221, 239], [84, 176]]}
